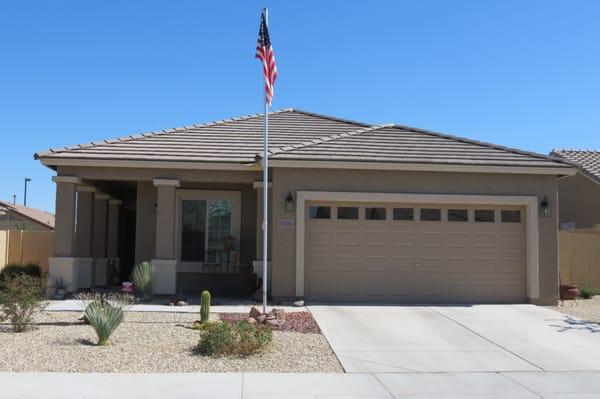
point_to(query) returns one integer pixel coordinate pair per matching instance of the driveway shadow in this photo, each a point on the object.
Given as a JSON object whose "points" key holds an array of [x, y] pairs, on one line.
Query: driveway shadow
{"points": [[571, 323]]}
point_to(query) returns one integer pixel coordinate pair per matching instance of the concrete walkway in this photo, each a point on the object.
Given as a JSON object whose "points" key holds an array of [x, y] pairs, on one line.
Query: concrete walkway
{"points": [[513, 385], [478, 338]]}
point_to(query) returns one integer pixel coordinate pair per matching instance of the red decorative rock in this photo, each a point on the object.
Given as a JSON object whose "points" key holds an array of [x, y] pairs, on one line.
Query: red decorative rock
{"points": [[254, 312]]}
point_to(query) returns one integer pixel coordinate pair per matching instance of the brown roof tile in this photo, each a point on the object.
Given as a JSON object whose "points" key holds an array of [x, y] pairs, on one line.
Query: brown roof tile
{"points": [[301, 135]]}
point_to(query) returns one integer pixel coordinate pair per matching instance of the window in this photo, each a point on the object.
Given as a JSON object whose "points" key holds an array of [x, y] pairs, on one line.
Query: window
{"points": [[458, 215], [508, 216], [484, 215], [404, 214], [205, 230], [193, 230], [431, 214], [375, 213], [209, 226], [319, 212], [347, 212]]}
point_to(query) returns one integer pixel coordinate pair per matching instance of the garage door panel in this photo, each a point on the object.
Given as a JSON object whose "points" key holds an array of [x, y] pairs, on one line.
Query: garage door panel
{"points": [[431, 239], [414, 261]]}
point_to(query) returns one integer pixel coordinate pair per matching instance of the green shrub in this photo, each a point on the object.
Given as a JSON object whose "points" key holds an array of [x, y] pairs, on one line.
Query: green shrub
{"points": [[21, 296], [14, 269], [587, 292], [142, 279], [240, 338], [104, 317], [204, 307]]}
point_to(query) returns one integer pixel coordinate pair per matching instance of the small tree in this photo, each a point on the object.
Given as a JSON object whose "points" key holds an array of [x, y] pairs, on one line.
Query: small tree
{"points": [[20, 297]]}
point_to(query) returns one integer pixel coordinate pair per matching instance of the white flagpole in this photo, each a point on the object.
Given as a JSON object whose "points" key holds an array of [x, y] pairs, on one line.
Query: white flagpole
{"points": [[265, 224]]}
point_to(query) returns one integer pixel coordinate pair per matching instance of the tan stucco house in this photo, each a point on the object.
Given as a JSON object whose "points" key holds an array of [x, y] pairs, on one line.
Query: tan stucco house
{"points": [[579, 194], [20, 217], [359, 212]]}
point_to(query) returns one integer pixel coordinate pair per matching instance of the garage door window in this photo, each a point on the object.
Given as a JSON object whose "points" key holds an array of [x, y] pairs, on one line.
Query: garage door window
{"points": [[431, 215], [458, 215], [404, 214], [319, 212], [484, 215], [375, 213], [508, 216], [347, 212]]}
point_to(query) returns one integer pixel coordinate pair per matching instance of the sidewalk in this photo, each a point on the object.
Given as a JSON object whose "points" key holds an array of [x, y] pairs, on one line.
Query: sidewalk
{"points": [[514, 385]]}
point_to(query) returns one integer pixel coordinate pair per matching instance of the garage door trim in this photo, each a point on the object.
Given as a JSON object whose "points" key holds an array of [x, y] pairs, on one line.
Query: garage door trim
{"points": [[529, 202]]}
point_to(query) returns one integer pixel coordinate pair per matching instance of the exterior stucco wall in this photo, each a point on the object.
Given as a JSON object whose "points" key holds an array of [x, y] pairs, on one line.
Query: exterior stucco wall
{"points": [[145, 226], [291, 180], [579, 201], [14, 221]]}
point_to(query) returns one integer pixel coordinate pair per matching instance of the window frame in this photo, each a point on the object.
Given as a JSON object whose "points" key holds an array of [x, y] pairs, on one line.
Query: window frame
{"points": [[413, 214], [432, 209], [235, 198], [385, 213], [494, 216], [337, 214], [468, 219]]}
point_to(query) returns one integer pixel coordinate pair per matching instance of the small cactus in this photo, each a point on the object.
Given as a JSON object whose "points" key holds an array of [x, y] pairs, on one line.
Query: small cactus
{"points": [[204, 307]]}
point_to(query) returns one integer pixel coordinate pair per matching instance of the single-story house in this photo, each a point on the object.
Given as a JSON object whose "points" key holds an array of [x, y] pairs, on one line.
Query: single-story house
{"points": [[359, 212], [19, 217], [579, 194]]}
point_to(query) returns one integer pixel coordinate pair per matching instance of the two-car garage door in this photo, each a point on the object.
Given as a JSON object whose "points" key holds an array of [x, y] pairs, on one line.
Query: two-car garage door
{"points": [[414, 253]]}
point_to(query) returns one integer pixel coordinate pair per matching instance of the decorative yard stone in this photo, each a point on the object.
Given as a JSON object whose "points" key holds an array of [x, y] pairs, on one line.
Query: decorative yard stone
{"points": [[181, 303], [299, 303], [272, 322], [261, 318], [254, 312], [251, 320], [279, 314]]}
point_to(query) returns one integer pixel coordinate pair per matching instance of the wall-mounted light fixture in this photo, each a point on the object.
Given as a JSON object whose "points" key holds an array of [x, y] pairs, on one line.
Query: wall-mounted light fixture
{"points": [[289, 203], [545, 207]]}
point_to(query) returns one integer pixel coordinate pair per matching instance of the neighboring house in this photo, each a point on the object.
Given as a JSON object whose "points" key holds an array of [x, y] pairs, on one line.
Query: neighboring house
{"points": [[358, 212], [19, 217], [579, 195]]}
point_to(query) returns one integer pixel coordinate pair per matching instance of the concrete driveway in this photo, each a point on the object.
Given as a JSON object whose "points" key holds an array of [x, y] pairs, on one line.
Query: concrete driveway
{"points": [[477, 338]]}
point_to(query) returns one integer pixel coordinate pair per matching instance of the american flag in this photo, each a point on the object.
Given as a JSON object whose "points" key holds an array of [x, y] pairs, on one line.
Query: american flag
{"points": [[264, 52]]}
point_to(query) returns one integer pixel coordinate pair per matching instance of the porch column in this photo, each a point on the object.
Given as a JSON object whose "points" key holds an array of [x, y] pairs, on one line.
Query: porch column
{"points": [[83, 235], [257, 265], [99, 234], [165, 262], [112, 243], [61, 266]]}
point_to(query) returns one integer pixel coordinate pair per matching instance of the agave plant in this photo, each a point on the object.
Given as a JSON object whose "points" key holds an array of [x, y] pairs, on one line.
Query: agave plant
{"points": [[142, 278], [104, 317]]}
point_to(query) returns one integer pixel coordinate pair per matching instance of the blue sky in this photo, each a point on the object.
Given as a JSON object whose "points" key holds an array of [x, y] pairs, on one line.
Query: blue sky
{"points": [[518, 73]]}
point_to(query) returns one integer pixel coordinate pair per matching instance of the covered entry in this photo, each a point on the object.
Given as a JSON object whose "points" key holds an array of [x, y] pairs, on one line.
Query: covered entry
{"points": [[415, 252]]}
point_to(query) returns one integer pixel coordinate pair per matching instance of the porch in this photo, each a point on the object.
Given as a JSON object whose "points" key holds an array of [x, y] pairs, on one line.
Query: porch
{"points": [[197, 232]]}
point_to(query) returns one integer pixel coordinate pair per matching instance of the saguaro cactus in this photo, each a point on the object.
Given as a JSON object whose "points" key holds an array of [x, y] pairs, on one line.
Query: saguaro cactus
{"points": [[204, 307]]}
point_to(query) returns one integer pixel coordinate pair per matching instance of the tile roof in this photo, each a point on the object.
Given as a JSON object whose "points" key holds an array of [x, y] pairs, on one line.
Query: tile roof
{"points": [[303, 136], [37, 215], [588, 161]]}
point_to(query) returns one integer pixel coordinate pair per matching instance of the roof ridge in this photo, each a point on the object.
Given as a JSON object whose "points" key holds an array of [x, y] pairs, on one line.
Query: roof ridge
{"points": [[556, 150], [485, 144], [324, 116], [152, 133], [327, 139]]}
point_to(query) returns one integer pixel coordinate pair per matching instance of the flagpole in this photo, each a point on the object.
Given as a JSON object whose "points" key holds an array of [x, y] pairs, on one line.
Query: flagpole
{"points": [[265, 194]]}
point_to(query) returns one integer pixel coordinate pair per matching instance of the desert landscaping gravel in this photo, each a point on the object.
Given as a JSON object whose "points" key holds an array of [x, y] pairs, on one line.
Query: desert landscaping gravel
{"points": [[585, 309], [150, 342]]}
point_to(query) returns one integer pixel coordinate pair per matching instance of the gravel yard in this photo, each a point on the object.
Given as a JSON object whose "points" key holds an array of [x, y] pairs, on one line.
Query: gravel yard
{"points": [[585, 309], [150, 342]]}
